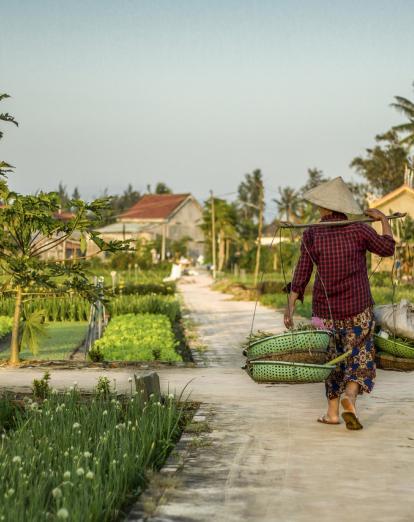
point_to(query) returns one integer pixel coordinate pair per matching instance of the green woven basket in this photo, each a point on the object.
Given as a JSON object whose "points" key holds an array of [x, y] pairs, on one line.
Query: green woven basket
{"points": [[396, 348], [385, 361], [288, 372], [288, 342]]}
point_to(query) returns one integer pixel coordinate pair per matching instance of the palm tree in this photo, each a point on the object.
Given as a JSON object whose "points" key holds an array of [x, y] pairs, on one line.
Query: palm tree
{"points": [[5, 116], [288, 203], [406, 107]]}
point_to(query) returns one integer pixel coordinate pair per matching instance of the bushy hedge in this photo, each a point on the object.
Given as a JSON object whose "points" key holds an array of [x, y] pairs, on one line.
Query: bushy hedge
{"points": [[56, 308], [146, 289], [145, 304]]}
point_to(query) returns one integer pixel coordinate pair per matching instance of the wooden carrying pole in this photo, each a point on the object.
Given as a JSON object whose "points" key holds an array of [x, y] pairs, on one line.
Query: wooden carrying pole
{"points": [[287, 224]]}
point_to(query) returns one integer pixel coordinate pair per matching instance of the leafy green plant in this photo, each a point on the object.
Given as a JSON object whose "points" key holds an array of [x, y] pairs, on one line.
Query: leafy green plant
{"points": [[139, 337], [95, 354], [147, 304], [103, 388], [81, 459], [33, 328], [5, 326], [41, 388]]}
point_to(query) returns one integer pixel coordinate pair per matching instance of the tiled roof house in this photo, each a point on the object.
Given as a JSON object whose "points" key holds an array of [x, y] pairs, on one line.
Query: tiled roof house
{"points": [[171, 216]]}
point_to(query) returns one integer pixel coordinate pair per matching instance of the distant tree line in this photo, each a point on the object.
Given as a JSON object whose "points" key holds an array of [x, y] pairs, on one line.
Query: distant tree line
{"points": [[118, 203]]}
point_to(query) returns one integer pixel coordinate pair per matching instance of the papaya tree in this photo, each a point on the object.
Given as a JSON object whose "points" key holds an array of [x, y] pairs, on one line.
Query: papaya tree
{"points": [[30, 230]]}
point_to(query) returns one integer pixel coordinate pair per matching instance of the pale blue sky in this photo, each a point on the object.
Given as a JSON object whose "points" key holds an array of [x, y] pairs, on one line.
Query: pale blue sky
{"points": [[197, 93]]}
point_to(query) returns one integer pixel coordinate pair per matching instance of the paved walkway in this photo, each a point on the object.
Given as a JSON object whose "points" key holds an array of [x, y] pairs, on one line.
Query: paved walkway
{"points": [[267, 459]]}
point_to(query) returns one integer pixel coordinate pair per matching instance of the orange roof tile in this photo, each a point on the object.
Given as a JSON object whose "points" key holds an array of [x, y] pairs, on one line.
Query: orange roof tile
{"points": [[154, 206]]}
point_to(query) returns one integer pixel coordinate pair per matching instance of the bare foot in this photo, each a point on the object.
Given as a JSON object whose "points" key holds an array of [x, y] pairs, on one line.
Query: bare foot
{"points": [[326, 419]]}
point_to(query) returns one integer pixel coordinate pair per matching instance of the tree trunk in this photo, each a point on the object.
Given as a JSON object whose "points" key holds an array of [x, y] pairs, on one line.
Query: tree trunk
{"points": [[222, 248], [227, 254], [14, 345], [259, 236]]}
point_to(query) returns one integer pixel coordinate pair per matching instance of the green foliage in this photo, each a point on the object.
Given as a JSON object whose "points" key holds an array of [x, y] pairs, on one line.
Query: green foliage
{"points": [[103, 388], [279, 301], [41, 387], [162, 188], [384, 165], [145, 304], [140, 337], [9, 412], [83, 458], [6, 324], [5, 167], [148, 289], [54, 308], [95, 354], [406, 107], [61, 340], [33, 328]]}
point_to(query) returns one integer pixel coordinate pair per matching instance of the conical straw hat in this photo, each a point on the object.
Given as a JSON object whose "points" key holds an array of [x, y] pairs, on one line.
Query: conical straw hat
{"points": [[334, 195]]}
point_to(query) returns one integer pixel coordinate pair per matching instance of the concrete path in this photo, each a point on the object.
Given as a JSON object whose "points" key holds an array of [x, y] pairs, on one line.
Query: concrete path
{"points": [[266, 458]]}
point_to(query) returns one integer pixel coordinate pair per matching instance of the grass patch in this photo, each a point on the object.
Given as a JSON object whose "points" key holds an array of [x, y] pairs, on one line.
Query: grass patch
{"points": [[60, 341]]}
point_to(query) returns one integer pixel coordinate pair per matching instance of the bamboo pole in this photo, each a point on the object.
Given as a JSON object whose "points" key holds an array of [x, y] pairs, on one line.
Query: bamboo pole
{"points": [[287, 224]]}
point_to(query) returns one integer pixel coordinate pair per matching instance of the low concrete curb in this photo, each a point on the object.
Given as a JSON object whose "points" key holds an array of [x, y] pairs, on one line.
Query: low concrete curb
{"points": [[145, 509]]}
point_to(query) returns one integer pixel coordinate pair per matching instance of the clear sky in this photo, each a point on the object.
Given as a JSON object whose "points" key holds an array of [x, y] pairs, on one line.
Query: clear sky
{"points": [[197, 93]]}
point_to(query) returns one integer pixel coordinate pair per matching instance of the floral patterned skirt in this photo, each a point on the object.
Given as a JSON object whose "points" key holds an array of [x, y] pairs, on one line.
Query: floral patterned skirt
{"points": [[355, 333]]}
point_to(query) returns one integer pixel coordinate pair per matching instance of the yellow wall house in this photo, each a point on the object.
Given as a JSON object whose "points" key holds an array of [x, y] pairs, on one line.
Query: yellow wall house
{"points": [[399, 200]]}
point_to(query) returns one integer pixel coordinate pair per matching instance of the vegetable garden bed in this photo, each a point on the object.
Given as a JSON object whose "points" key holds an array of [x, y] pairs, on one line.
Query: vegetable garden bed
{"points": [[139, 337], [82, 459]]}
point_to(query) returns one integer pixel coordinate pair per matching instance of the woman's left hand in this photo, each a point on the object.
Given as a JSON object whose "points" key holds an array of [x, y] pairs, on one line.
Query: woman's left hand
{"points": [[288, 318]]}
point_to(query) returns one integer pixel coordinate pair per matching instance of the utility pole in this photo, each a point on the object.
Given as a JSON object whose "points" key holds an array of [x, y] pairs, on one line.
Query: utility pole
{"points": [[164, 241], [259, 232], [213, 234]]}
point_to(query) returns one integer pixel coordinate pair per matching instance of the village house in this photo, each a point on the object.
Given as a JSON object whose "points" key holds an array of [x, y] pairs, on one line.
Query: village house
{"points": [[398, 200], [169, 216]]}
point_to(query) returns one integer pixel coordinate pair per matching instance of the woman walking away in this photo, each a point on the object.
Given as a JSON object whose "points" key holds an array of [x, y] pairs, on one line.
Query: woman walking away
{"points": [[342, 300]]}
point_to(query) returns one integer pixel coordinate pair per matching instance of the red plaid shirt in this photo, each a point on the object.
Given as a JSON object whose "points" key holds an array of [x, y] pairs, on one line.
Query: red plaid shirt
{"points": [[339, 254]]}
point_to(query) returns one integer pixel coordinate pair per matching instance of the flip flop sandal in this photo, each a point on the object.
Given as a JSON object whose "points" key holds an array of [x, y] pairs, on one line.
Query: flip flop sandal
{"points": [[351, 421], [324, 420]]}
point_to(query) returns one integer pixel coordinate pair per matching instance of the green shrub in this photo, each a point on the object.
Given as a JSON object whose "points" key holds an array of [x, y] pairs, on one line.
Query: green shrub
{"points": [[139, 337], [145, 304], [55, 308], [6, 324], [147, 288]]}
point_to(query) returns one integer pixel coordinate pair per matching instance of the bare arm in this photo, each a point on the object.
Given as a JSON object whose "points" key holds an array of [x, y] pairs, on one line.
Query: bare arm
{"points": [[290, 309], [380, 216]]}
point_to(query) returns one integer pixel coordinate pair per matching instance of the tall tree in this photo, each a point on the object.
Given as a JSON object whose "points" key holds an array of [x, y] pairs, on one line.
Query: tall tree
{"points": [[63, 196], [384, 165], [225, 227], [315, 178], [29, 228], [406, 107], [249, 194], [76, 193], [288, 203], [162, 188], [5, 167]]}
